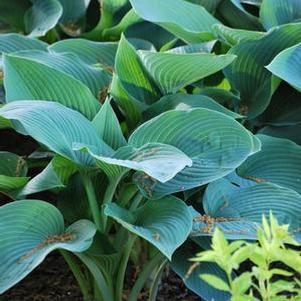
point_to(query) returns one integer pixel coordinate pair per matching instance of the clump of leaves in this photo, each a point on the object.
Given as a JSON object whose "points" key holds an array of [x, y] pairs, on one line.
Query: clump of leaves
{"points": [[265, 282], [149, 127]]}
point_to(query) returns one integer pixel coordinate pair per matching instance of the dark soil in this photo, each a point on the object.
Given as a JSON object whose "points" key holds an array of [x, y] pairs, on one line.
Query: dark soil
{"points": [[53, 281]]}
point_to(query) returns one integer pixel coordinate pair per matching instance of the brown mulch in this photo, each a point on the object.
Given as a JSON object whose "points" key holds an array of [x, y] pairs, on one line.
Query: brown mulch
{"points": [[53, 281]]}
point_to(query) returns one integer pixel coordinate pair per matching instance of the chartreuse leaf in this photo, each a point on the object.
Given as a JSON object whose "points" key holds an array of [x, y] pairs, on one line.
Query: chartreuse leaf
{"points": [[248, 74], [107, 126], [165, 223], [12, 42], [182, 266], [286, 65], [95, 79], [243, 205], [159, 161], [216, 143], [172, 71], [91, 52], [29, 230], [42, 16], [55, 126], [26, 78], [181, 101], [13, 170], [277, 162], [278, 12], [195, 29]]}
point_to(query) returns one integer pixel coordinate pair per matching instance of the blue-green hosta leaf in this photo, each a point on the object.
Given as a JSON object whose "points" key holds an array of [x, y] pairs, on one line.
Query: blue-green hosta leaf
{"points": [[181, 264], [233, 36], [159, 161], [71, 12], [42, 16], [55, 126], [12, 42], [173, 71], [278, 12], [94, 78], [165, 223], [286, 65], [236, 16], [210, 5], [13, 170], [181, 101], [195, 29], [31, 229], [216, 143], [27, 79], [55, 175], [193, 48], [107, 126], [133, 75], [248, 74], [245, 205], [91, 52], [278, 162]]}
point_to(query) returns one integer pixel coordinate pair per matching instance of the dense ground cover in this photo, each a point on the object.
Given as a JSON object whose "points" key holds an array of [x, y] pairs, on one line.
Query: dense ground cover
{"points": [[132, 129]]}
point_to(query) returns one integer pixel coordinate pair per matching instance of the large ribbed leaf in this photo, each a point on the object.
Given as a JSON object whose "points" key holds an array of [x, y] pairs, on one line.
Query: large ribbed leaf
{"points": [[181, 264], [132, 74], [193, 48], [26, 78], [91, 52], [216, 143], [278, 12], [286, 65], [245, 205], [181, 101], [210, 5], [96, 79], [42, 16], [11, 42], [55, 126], [196, 28], [278, 162], [248, 74], [13, 170], [55, 175], [165, 223], [236, 16], [73, 13], [172, 71], [29, 230], [107, 126], [233, 36], [159, 161]]}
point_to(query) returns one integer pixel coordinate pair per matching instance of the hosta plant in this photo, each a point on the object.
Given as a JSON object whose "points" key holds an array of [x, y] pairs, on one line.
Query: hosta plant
{"points": [[131, 129]]}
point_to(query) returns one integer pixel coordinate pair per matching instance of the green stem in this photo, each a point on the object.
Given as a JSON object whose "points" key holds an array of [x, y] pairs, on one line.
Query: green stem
{"points": [[144, 275], [79, 276], [154, 287], [96, 213], [108, 197], [123, 265]]}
